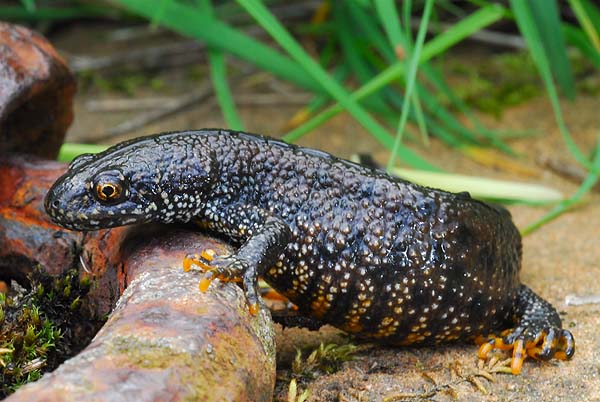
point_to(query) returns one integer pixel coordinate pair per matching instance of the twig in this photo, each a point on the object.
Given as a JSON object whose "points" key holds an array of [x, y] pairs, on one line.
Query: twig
{"points": [[127, 104], [273, 99], [576, 300], [143, 119], [147, 57], [162, 56], [484, 35], [565, 169]]}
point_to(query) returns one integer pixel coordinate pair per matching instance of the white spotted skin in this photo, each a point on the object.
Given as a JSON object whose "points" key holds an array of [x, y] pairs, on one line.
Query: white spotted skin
{"points": [[371, 254]]}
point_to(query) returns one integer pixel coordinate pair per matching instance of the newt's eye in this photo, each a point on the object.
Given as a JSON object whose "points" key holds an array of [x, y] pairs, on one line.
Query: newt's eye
{"points": [[109, 187], [108, 191]]}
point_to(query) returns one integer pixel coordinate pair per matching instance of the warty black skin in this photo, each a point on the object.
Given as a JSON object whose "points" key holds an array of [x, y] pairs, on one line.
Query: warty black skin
{"points": [[351, 246]]}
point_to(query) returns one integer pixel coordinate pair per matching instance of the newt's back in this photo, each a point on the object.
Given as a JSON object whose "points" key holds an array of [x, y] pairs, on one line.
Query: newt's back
{"points": [[374, 254]]}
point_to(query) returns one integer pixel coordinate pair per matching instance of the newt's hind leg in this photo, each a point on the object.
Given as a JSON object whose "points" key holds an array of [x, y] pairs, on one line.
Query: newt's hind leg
{"points": [[538, 333]]}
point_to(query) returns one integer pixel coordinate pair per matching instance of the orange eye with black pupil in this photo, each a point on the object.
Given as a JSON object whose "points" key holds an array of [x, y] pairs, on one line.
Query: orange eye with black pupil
{"points": [[108, 191]]}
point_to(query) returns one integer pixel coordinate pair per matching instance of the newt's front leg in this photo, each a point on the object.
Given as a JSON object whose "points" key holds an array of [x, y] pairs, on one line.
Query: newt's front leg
{"points": [[265, 238]]}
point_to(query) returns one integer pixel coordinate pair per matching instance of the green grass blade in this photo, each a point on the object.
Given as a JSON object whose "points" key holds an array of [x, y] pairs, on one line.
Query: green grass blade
{"points": [[376, 47], [57, 14], [158, 13], [440, 85], [69, 151], [582, 10], [546, 20], [346, 34], [480, 187], [371, 30], [192, 22], [577, 38], [587, 184], [218, 73], [462, 29], [411, 78], [287, 42], [420, 117], [390, 19], [530, 33], [29, 5], [389, 16], [319, 101]]}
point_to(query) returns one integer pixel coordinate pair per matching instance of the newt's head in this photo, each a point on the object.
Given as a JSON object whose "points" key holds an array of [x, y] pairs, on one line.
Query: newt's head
{"points": [[160, 179]]}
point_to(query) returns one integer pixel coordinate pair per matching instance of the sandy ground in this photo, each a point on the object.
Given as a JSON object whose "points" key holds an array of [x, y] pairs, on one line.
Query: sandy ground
{"points": [[561, 258]]}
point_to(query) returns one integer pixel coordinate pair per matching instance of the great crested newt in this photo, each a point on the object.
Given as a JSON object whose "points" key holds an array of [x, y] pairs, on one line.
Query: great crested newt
{"points": [[351, 246]]}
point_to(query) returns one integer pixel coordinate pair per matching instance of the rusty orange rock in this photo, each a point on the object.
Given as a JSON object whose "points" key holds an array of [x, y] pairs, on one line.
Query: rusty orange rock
{"points": [[28, 237], [165, 339], [36, 93]]}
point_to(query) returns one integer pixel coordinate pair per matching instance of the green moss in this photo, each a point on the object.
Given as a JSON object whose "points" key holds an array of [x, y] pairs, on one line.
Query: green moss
{"points": [[326, 359], [499, 82], [146, 355], [126, 82], [37, 330]]}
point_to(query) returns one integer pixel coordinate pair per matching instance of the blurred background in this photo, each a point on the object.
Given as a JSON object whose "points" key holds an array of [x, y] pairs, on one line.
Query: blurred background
{"points": [[499, 98], [424, 84]]}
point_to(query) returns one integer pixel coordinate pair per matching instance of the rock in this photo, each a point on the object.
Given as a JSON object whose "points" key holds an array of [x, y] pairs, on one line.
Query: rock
{"points": [[36, 93], [164, 340]]}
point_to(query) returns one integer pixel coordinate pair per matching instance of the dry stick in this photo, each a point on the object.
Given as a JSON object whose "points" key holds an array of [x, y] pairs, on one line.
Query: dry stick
{"points": [[143, 119], [580, 300], [273, 99], [201, 94], [484, 35], [565, 169], [174, 54], [180, 52], [147, 57], [127, 104]]}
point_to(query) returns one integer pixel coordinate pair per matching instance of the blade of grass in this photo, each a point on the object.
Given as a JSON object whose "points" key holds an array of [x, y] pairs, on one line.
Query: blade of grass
{"points": [[388, 14], [546, 20], [320, 100], [287, 42], [586, 21], [480, 187], [192, 22], [577, 38], [363, 18], [593, 12], [29, 5], [375, 42], [69, 151], [390, 19], [218, 73], [346, 34], [411, 78], [462, 29], [528, 29], [440, 85], [584, 188], [54, 14], [157, 15], [371, 30]]}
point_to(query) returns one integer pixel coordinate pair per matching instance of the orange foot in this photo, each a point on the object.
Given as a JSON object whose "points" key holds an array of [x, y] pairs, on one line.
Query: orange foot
{"points": [[546, 344], [226, 269]]}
